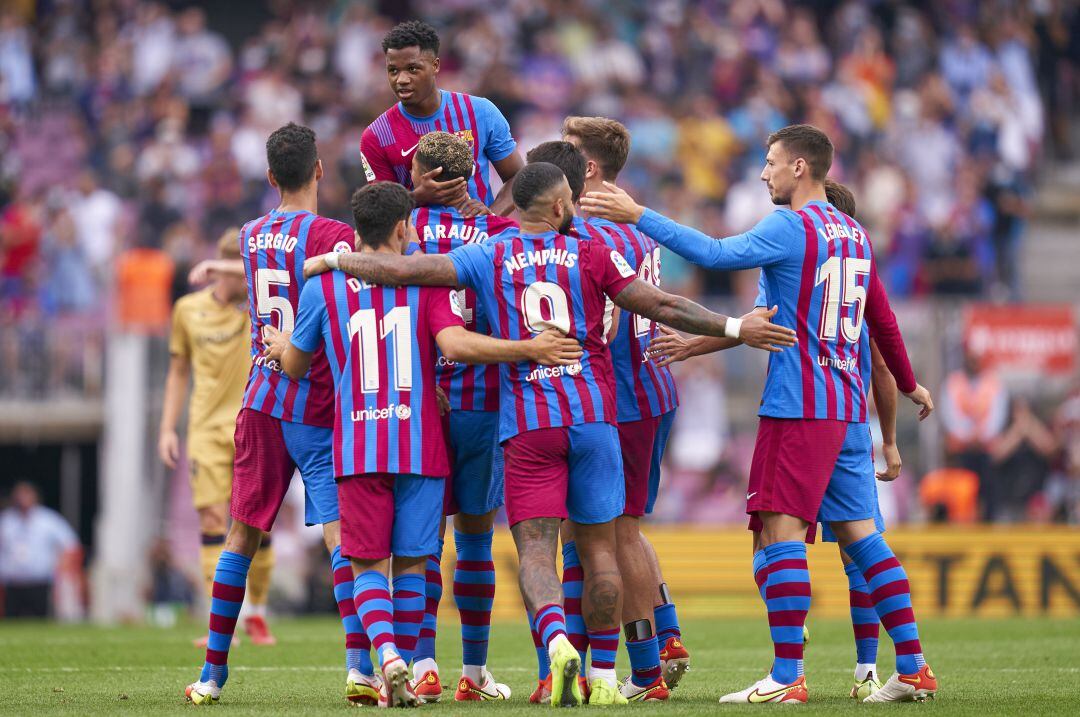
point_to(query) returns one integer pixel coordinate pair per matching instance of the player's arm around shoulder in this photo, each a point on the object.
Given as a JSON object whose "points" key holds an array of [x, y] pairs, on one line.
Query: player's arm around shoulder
{"points": [[387, 269], [460, 345]]}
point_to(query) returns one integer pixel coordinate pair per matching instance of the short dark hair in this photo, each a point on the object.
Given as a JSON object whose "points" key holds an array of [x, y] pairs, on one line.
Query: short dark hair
{"points": [[291, 155], [566, 157], [377, 208], [412, 33], [840, 196], [606, 141], [808, 142], [533, 181], [442, 149]]}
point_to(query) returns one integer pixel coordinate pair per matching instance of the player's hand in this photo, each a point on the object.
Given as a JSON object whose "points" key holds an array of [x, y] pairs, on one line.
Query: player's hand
{"points": [[431, 191], [614, 205], [169, 448], [553, 348], [444, 402], [760, 333], [922, 398], [669, 347], [315, 265], [473, 208], [274, 343], [892, 463]]}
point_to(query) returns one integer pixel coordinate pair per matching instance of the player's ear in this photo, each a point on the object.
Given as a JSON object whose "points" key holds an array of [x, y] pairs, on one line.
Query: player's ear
{"points": [[800, 167], [270, 178], [318, 170], [356, 240], [591, 169], [435, 64]]}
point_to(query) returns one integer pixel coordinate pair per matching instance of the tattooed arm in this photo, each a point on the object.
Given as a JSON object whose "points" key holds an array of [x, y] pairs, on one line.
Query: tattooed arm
{"points": [[646, 300], [390, 269]]}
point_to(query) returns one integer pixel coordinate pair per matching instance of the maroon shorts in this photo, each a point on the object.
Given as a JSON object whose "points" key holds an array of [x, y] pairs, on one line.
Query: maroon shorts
{"points": [[637, 439], [570, 472], [384, 514], [793, 463], [262, 469]]}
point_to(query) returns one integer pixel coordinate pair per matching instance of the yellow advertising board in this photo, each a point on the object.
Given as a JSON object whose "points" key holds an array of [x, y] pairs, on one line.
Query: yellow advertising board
{"points": [[976, 571]]}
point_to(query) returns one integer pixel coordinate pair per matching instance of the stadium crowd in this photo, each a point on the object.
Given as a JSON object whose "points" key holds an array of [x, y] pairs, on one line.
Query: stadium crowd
{"points": [[127, 124]]}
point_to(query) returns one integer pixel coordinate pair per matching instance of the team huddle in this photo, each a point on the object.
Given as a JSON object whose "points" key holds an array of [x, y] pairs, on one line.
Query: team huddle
{"points": [[458, 351]]}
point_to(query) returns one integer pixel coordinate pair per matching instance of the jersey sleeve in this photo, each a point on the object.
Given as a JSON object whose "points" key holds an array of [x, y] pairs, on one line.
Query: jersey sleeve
{"points": [[770, 242], [881, 321], [307, 334], [612, 270], [179, 341], [761, 299], [332, 236], [472, 263], [376, 167], [498, 141], [443, 310]]}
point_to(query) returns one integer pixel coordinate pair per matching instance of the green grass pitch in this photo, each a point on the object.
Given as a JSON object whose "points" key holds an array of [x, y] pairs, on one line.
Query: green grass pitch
{"points": [[1013, 666]]}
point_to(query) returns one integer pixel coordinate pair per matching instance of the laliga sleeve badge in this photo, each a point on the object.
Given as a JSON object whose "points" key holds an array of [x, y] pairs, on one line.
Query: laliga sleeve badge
{"points": [[622, 265], [368, 173]]}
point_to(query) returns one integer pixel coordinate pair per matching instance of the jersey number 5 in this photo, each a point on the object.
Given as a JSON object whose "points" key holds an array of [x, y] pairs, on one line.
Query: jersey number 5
{"points": [[396, 321], [841, 280], [266, 304]]}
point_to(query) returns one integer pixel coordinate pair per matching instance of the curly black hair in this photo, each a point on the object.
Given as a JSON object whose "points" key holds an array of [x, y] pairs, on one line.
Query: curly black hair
{"points": [[291, 155], [413, 33], [377, 208]]}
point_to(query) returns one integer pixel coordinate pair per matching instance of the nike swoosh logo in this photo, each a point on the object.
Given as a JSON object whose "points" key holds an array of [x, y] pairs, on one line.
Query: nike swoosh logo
{"points": [[756, 697], [751, 495], [407, 152]]}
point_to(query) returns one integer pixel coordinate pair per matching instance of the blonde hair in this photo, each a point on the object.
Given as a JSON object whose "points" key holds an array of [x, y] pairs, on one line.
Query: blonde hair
{"points": [[228, 244], [452, 153], [603, 140]]}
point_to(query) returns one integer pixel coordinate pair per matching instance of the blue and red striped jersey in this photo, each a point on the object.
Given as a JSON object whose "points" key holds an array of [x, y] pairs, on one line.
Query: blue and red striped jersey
{"points": [[380, 342], [818, 268], [527, 283], [389, 143], [441, 230], [643, 389], [273, 248]]}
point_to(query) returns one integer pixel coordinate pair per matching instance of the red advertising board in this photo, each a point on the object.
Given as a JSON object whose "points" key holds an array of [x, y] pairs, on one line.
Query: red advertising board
{"points": [[1023, 338]]}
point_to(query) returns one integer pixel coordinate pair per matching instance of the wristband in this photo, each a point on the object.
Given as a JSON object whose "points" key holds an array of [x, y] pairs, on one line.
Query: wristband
{"points": [[732, 327], [331, 259]]}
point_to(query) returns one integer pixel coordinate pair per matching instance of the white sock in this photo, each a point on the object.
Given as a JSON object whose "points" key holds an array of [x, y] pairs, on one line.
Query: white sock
{"points": [[474, 673], [254, 610], [555, 642], [422, 667], [861, 671], [607, 676]]}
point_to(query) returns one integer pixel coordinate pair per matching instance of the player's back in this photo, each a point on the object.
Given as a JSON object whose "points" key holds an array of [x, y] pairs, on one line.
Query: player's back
{"points": [[389, 143], [643, 389], [821, 289], [533, 282], [441, 230], [381, 351], [274, 248]]}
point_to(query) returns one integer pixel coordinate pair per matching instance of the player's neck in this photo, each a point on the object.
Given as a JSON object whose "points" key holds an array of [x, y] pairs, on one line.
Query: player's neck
{"points": [[426, 107], [219, 294], [302, 200], [593, 184], [812, 193], [536, 226]]}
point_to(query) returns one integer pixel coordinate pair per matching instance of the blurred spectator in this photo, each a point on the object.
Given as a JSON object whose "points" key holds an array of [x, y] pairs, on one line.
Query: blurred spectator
{"points": [[1063, 489], [974, 411], [1021, 457], [33, 541]]}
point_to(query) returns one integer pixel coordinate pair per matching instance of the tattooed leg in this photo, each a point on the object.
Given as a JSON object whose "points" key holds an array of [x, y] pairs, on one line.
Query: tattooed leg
{"points": [[537, 540], [602, 597]]}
